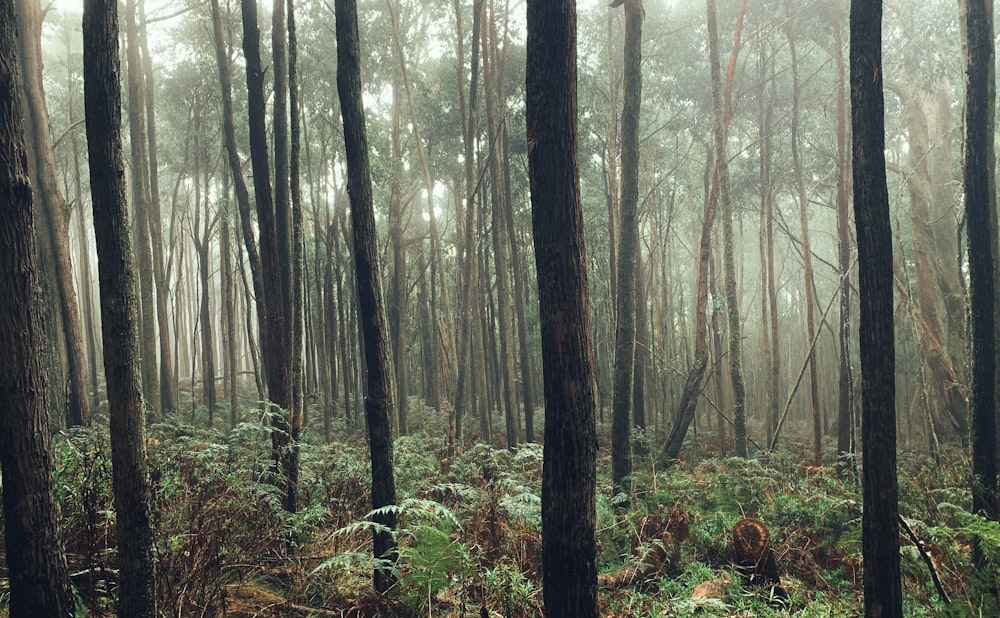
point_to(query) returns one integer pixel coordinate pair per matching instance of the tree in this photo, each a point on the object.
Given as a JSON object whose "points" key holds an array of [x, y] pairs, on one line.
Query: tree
{"points": [[569, 568], [628, 251], [119, 309], [52, 225], [879, 527], [980, 208], [140, 174], [721, 117], [379, 400], [39, 577], [275, 334]]}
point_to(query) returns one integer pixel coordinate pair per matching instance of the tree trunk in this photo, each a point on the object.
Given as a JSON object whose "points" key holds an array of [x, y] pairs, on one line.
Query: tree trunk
{"points": [[297, 266], [119, 310], [879, 527], [800, 189], [140, 206], [277, 344], [168, 398], [52, 222], [379, 404], [36, 559], [628, 252], [468, 260], [492, 78], [721, 122], [981, 215], [845, 405], [569, 560]]}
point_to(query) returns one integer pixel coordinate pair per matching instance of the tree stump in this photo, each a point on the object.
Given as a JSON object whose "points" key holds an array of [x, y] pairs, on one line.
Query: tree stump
{"points": [[754, 559]]}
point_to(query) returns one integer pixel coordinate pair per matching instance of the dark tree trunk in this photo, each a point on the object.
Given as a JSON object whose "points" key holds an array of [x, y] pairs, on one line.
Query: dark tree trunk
{"points": [[879, 527], [36, 560], [569, 565], [980, 208], [52, 223], [628, 252], [275, 333], [379, 404], [296, 267], [119, 309], [235, 168]]}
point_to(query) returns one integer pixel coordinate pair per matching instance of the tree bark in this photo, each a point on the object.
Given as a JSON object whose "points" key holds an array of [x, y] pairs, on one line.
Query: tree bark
{"points": [[981, 216], [140, 206], [119, 309], [628, 252], [36, 559], [52, 219], [800, 189], [721, 123], [845, 387], [879, 527], [569, 566], [379, 404]]}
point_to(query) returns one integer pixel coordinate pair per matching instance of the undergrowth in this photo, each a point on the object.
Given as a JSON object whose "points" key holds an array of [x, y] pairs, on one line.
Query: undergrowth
{"points": [[469, 532]]}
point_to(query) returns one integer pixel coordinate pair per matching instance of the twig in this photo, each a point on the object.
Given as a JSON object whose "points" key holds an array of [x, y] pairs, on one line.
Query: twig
{"points": [[927, 559]]}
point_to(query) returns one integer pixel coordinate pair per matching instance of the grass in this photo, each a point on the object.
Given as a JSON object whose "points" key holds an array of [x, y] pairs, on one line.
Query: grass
{"points": [[470, 530]]}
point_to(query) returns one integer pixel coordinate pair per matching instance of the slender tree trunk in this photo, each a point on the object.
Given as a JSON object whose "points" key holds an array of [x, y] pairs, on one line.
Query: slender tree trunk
{"points": [[168, 398], [492, 75], [468, 281], [628, 252], [569, 560], [140, 206], [845, 406], [36, 558], [53, 216], [379, 404], [725, 203], [297, 315], [879, 527], [119, 310], [800, 189]]}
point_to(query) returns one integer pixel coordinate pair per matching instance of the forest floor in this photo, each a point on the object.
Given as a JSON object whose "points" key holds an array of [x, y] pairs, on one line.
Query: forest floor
{"points": [[469, 529]]}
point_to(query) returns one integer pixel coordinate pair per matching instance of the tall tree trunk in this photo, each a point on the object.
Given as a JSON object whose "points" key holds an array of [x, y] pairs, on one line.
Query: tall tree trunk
{"points": [[36, 558], [119, 309], [52, 223], [845, 405], [140, 207], [688, 402], [297, 266], [229, 314], [379, 404], [981, 216], [628, 252], [879, 527], [235, 168], [273, 250], [168, 398], [569, 473], [800, 189], [721, 122], [492, 77], [397, 284], [468, 281]]}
